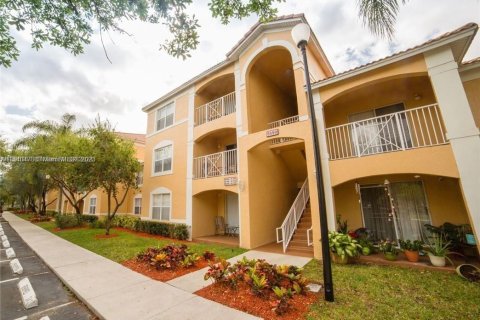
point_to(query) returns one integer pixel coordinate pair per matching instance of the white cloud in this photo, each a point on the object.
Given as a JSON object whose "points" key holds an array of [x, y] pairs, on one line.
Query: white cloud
{"points": [[45, 84]]}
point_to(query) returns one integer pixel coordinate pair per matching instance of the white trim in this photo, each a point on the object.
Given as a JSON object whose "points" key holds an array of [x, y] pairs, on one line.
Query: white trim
{"points": [[157, 191], [138, 196], [190, 143], [265, 45], [162, 144], [93, 196], [182, 121], [164, 105]]}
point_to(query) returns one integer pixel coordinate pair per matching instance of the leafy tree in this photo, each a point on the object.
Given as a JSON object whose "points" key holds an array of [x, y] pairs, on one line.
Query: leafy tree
{"points": [[380, 15], [115, 167], [70, 23]]}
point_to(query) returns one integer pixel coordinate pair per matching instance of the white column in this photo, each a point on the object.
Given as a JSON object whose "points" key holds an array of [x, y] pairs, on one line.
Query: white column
{"points": [[327, 185], [462, 133], [190, 142]]}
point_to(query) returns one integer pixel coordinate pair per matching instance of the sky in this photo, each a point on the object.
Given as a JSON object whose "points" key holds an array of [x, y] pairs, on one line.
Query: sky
{"points": [[44, 84]]}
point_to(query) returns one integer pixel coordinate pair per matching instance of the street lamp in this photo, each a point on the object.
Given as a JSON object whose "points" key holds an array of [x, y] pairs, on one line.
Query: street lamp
{"points": [[301, 34]]}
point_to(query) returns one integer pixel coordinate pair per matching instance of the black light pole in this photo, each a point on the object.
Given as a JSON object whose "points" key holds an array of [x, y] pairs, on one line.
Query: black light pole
{"points": [[301, 34]]}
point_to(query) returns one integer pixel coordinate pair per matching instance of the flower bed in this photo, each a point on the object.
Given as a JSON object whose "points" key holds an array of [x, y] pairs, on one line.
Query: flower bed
{"points": [[169, 262], [259, 288]]}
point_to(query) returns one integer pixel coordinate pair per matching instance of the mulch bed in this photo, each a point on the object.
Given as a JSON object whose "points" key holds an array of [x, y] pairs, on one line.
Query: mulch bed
{"points": [[164, 274], [243, 299]]}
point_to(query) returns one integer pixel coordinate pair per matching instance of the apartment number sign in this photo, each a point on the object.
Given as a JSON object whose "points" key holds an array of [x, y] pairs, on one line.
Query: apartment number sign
{"points": [[272, 132], [230, 181]]}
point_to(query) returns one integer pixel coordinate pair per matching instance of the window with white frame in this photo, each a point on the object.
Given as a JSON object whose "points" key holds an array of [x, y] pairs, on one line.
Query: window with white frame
{"points": [[163, 159], [140, 177], [137, 205], [161, 206], [92, 207], [164, 116]]}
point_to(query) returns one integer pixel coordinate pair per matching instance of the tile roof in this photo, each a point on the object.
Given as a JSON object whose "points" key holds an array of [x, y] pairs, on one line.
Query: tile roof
{"points": [[474, 60], [441, 37], [135, 137]]}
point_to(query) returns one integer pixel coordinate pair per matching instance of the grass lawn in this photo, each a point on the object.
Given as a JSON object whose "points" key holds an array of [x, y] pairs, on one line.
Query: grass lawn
{"points": [[381, 292], [128, 245]]}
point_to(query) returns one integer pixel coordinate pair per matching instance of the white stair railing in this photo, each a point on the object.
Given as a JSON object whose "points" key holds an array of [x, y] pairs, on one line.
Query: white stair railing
{"points": [[409, 129], [215, 164], [290, 223], [215, 109]]}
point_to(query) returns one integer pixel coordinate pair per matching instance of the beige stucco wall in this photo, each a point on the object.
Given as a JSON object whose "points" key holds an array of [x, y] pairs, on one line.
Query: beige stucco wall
{"points": [[472, 89]]}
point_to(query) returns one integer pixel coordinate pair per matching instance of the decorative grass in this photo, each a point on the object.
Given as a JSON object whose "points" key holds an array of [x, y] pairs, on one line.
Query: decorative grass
{"points": [[388, 292]]}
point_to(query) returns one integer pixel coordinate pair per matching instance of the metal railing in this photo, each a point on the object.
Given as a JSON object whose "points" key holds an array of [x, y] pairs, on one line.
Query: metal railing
{"points": [[283, 122], [215, 164], [215, 109], [409, 129], [290, 223]]}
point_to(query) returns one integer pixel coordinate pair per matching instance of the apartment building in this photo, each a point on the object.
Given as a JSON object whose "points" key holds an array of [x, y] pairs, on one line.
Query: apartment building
{"points": [[96, 202], [399, 138]]}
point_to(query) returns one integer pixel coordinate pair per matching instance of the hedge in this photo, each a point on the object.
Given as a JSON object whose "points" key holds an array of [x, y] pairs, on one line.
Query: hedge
{"points": [[67, 220]]}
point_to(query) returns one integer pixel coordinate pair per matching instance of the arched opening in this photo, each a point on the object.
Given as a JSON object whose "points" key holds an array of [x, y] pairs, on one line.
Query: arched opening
{"points": [[275, 176], [215, 99], [270, 89], [215, 213]]}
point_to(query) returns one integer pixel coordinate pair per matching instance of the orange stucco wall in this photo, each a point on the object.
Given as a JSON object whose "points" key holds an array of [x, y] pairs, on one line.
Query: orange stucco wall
{"points": [[472, 89]]}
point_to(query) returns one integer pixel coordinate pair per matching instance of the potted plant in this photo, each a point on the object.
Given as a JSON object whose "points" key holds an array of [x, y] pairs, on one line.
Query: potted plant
{"points": [[342, 247], [437, 250], [411, 249], [389, 249]]}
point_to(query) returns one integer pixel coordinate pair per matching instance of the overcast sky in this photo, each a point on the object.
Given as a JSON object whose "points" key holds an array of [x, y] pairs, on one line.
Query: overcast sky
{"points": [[45, 84]]}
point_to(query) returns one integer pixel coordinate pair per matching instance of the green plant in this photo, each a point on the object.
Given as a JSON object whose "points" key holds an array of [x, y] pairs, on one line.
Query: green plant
{"points": [[388, 247], [410, 245], [89, 218], [258, 283], [218, 272], [38, 218], [169, 257], [180, 231], [67, 220], [281, 305], [342, 226], [343, 245], [209, 256], [189, 260], [455, 234], [438, 246], [126, 221]]}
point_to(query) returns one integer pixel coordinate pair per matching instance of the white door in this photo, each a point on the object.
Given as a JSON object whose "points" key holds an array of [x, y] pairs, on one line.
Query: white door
{"points": [[232, 210]]}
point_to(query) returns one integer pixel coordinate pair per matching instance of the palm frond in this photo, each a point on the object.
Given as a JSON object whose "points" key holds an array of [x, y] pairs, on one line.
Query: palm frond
{"points": [[380, 16]]}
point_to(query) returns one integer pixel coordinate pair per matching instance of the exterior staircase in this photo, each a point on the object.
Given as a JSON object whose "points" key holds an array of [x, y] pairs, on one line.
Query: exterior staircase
{"points": [[298, 245]]}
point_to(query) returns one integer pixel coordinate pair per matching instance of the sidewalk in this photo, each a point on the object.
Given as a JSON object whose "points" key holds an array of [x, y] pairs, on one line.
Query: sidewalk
{"points": [[111, 290], [194, 281]]}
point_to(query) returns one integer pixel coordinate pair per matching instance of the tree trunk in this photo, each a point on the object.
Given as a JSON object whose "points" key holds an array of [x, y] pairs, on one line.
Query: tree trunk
{"points": [[109, 218]]}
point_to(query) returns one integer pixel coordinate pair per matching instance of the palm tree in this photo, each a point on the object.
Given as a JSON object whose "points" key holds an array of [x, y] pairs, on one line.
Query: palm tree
{"points": [[380, 16]]}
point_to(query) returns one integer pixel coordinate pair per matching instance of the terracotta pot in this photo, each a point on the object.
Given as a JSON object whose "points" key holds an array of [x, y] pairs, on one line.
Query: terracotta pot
{"points": [[437, 261], [412, 256], [390, 256], [339, 260]]}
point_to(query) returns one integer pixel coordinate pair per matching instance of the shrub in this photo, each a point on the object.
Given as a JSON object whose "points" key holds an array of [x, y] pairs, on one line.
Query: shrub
{"points": [[209, 256], [169, 257], [67, 220], [126, 221], [343, 245], [172, 230], [38, 218], [51, 213], [89, 218], [180, 231]]}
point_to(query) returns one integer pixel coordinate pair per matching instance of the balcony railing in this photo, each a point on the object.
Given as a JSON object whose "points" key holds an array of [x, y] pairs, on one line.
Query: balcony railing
{"points": [[409, 129], [283, 122], [216, 164], [215, 109]]}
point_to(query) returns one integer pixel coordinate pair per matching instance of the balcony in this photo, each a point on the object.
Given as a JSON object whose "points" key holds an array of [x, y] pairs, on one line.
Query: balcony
{"points": [[409, 129], [283, 122], [215, 165], [215, 109]]}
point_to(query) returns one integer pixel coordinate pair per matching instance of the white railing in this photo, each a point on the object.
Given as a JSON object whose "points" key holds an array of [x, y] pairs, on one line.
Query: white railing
{"points": [[290, 223], [283, 122], [409, 129], [216, 164], [215, 109], [310, 238]]}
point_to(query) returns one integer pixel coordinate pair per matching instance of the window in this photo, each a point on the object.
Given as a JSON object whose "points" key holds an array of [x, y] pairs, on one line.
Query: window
{"points": [[161, 204], [137, 206], [140, 177], [93, 205], [163, 159], [165, 116]]}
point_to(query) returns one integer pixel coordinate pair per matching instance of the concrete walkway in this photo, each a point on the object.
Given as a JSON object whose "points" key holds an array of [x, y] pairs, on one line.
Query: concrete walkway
{"points": [[111, 290], [194, 281]]}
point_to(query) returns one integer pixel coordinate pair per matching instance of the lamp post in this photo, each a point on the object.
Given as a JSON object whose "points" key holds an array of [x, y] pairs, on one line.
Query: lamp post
{"points": [[301, 34]]}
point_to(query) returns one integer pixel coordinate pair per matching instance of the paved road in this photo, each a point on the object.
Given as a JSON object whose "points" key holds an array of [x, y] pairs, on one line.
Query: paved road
{"points": [[54, 299]]}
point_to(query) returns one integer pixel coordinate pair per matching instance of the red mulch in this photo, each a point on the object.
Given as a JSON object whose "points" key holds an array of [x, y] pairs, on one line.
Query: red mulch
{"points": [[243, 299], [162, 275], [68, 229], [105, 236]]}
